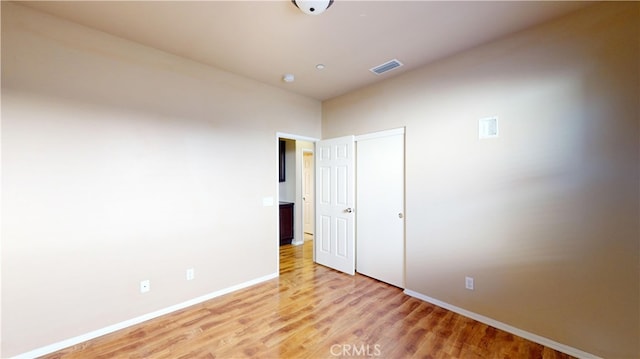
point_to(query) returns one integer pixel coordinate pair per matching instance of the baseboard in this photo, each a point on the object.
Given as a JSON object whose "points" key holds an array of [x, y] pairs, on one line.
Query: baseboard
{"points": [[507, 328], [128, 323]]}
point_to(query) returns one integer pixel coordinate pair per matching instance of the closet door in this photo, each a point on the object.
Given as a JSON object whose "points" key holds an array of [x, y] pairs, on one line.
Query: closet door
{"points": [[380, 206]]}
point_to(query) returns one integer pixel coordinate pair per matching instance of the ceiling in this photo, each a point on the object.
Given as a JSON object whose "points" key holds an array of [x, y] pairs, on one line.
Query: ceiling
{"points": [[266, 39]]}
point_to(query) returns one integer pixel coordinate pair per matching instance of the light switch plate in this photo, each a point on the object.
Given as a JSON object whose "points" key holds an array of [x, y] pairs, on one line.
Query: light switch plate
{"points": [[468, 283], [488, 127]]}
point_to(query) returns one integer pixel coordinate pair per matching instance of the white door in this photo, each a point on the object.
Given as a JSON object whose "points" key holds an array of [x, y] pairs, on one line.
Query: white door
{"points": [[307, 192], [380, 199], [335, 197]]}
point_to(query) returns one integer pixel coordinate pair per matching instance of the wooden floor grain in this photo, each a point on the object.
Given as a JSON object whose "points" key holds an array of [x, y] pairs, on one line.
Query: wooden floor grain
{"points": [[311, 311]]}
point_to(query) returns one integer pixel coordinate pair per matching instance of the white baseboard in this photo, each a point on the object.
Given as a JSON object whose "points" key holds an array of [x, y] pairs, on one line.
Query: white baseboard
{"points": [[506, 327], [128, 323]]}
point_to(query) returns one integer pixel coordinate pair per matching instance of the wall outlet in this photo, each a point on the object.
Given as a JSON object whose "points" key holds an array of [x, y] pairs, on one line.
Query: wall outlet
{"points": [[191, 274], [145, 286], [468, 283]]}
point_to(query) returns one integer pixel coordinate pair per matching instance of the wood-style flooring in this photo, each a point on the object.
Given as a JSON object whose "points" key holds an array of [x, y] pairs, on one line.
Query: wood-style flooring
{"points": [[311, 311]]}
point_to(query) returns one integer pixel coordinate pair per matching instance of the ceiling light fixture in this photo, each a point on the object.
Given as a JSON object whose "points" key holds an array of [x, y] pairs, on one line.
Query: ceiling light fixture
{"points": [[312, 7], [288, 78], [320, 66]]}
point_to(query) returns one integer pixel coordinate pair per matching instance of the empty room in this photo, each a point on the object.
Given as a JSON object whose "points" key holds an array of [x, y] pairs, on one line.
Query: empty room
{"points": [[320, 179]]}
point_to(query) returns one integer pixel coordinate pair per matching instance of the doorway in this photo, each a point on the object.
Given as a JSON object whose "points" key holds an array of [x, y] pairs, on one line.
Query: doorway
{"points": [[380, 249], [298, 185]]}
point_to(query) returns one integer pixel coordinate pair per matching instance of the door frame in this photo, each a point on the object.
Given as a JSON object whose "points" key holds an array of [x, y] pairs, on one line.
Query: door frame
{"points": [[306, 151], [298, 230]]}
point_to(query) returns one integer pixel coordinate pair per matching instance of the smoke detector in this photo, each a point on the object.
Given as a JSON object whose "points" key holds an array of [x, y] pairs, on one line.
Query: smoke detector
{"points": [[288, 78], [312, 7]]}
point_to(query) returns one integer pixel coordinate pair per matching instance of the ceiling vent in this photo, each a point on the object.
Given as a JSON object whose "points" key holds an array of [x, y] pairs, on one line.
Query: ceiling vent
{"points": [[387, 66]]}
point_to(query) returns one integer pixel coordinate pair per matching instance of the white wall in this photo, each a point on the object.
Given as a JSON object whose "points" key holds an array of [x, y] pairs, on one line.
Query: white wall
{"points": [[122, 163], [546, 217]]}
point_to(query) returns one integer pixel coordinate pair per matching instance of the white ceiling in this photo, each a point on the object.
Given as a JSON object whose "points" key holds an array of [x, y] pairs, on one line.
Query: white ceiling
{"points": [[265, 39]]}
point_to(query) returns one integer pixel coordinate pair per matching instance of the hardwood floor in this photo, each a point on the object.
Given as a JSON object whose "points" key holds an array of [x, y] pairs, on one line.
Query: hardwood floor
{"points": [[311, 311]]}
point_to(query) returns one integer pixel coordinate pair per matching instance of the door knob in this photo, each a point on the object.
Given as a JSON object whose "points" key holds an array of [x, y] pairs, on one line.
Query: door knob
{"points": [[349, 210], [400, 215]]}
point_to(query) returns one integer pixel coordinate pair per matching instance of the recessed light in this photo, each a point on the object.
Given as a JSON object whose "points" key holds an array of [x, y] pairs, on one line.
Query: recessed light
{"points": [[320, 66]]}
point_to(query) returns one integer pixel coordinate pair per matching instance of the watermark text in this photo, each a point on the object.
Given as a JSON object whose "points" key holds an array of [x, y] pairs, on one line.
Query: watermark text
{"points": [[356, 350]]}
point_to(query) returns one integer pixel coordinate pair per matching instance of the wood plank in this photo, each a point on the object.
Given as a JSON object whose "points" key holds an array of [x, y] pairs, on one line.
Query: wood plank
{"points": [[311, 311]]}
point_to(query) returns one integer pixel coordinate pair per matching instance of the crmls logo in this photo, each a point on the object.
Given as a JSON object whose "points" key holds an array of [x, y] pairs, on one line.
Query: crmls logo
{"points": [[352, 350]]}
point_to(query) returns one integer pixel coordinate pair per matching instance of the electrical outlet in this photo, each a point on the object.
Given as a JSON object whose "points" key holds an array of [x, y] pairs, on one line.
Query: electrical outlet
{"points": [[145, 286], [190, 274], [468, 283]]}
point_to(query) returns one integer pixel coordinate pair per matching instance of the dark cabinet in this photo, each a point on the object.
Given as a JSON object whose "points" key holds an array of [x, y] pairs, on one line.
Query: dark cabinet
{"points": [[286, 222]]}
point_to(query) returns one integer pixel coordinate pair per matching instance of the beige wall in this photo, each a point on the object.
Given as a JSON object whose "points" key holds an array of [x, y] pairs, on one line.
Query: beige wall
{"points": [[122, 163], [545, 218]]}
